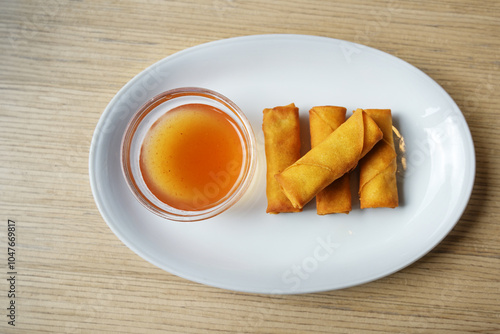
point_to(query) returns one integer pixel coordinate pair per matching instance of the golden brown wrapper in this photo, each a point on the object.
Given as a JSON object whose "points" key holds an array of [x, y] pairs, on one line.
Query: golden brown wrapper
{"points": [[336, 197], [377, 172], [282, 145], [338, 154]]}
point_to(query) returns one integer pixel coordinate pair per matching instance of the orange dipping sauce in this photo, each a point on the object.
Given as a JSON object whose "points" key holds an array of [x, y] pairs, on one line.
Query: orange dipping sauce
{"points": [[192, 156]]}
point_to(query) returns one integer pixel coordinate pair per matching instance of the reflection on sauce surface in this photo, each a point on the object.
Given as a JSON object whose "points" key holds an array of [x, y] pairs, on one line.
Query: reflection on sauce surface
{"points": [[192, 156]]}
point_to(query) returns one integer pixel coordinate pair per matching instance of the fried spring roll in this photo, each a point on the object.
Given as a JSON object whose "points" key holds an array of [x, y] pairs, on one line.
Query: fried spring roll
{"points": [[377, 173], [338, 154], [336, 197], [282, 145]]}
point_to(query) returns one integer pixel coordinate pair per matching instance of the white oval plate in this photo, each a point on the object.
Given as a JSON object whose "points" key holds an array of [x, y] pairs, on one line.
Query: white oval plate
{"points": [[244, 248]]}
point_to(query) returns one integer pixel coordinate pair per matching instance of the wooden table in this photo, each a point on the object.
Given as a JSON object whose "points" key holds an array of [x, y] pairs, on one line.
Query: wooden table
{"points": [[62, 62]]}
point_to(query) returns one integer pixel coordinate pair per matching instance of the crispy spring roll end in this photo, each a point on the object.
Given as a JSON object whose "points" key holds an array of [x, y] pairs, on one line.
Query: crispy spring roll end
{"points": [[335, 198]]}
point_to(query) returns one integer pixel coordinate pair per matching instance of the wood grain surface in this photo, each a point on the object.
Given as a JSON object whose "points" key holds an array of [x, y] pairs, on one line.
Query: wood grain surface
{"points": [[62, 61]]}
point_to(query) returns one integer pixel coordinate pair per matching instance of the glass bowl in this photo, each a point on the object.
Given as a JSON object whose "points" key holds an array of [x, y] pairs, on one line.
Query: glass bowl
{"points": [[148, 114]]}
